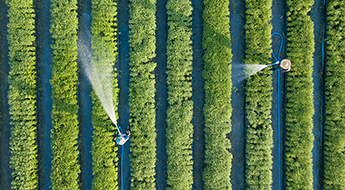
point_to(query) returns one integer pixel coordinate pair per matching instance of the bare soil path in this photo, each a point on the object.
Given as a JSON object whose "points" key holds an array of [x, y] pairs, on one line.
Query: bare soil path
{"points": [[198, 95], [5, 171], [237, 134], [161, 93], [318, 17], [85, 102], [44, 92], [279, 25], [123, 68]]}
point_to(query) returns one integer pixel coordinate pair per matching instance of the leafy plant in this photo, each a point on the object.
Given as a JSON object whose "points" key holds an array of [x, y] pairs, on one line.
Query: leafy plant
{"points": [[104, 155], [22, 93], [179, 130], [334, 151], [299, 105], [64, 25], [259, 136], [142, 42], [217, 110]]}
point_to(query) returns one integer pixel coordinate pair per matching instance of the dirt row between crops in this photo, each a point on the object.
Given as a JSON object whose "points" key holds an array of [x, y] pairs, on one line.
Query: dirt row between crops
{"points": [[161, 93], [198, 96], [44, 92], [279, 25], [237, 134], [85, 102], [123, 69], [318, 17], [5, 171]]}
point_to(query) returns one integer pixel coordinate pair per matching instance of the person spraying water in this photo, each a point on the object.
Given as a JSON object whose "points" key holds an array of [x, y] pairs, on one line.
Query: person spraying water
{"points": [[248, 70], [99, 72], [285, 64]]}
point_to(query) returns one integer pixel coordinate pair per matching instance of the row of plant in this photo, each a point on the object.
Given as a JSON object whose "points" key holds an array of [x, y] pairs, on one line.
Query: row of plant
{"points": [[334, 150], [259, 133], [22, 93], [299, 96], [142, 40], [64, 25], [104, 151], [217, 109], [179, 130]]}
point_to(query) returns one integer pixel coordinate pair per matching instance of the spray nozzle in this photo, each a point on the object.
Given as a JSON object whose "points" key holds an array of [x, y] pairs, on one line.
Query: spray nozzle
{"points": [[276, 63]]}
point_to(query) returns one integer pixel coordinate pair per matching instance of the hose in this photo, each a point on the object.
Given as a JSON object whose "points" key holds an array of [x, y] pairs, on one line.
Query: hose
{"points": [[122, 148], [277, 62]]}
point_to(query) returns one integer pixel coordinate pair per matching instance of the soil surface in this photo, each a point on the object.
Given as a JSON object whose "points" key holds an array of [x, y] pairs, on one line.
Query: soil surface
{"points": [[123, 69], [161, 93], [198, 96], [237, 134], [5, 177], [318, 17], [85, 101], [279, 25], [44, 92]]}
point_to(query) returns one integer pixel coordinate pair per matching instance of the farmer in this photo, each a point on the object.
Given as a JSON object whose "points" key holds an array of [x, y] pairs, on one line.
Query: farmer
{"points": [[123, 138], [284, 66]]}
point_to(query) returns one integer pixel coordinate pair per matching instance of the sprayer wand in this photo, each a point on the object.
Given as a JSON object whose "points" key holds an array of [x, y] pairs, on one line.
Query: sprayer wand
{"points": [[276, 63], [118, 130]]}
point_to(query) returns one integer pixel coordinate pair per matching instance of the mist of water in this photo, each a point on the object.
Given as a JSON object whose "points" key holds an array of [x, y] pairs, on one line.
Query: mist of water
{"points": [[97, 69], [243, 71]]}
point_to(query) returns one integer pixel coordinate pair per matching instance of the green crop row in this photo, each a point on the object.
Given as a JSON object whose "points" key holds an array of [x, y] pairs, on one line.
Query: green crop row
{"points": [[104, 151], [334, 162], [179, 130], [142, 40], [217, 109], [259, 137], [64, 25], [299, 105], [22, 93]]}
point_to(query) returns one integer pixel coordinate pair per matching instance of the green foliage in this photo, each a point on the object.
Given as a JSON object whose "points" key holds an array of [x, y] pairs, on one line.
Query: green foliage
{"points": [[299, 106], [217, 110], [334, 164], [64, 25], [142, 39], [259, 137], [179, 130], [104, 151], [22, 93]]}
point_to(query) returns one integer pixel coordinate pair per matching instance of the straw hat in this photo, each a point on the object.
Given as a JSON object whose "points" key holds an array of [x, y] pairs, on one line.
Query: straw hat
{"points": [[285, 64]]}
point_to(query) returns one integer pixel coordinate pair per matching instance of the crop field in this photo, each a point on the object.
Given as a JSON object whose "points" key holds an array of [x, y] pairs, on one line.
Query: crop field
{"points": [[176, 80]]}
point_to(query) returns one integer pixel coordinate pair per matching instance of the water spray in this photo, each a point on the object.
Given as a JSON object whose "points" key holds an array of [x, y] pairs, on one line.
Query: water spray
{"points": [[99, 72]]}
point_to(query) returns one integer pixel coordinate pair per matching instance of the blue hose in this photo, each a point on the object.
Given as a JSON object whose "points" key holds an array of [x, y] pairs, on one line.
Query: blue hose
{"points": [[120, 130], [281, 46], [277, 62]]}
